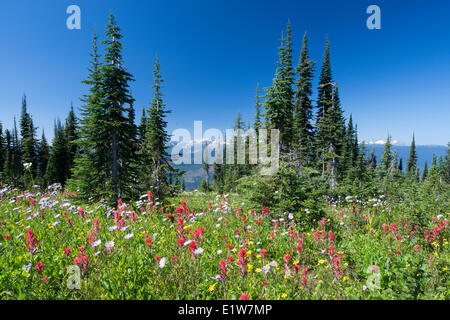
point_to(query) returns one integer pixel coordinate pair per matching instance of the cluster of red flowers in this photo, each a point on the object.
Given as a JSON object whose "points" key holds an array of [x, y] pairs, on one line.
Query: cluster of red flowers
{"points": [[223, 270], [81, 260], [31, 240]]}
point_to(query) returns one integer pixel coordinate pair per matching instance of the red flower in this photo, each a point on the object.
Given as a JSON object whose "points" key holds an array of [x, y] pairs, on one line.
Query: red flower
{"points": [[44, 279], [244, 296], [39, 267], [67, 251], [31, 240], [149, 242], [224, 269], [263, 253]]}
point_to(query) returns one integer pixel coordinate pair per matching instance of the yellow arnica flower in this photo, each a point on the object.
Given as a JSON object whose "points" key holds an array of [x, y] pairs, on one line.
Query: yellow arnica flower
{"points": [[320, 262], [250, 267], [249, 252], [258, 270], [284, 295], [211, 287], [444, 269]]}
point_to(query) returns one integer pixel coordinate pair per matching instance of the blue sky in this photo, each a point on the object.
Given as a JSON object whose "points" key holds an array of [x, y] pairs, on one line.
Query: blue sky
{"points": [[213, 53]]}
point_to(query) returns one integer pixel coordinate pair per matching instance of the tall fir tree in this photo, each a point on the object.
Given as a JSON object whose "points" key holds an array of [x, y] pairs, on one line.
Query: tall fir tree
{"points": [[28, 137], [424, 172], [90, 174], [330, 123], [2, 150], [412, 160], [117, 104], [279, 105], [43, 154], [58, 162], [71, 135], [387, 156], [154, 147], [303, 114]]}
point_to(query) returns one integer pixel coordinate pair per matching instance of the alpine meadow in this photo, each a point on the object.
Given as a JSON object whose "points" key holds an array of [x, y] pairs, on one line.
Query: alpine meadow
{"points": [[297, 201]]}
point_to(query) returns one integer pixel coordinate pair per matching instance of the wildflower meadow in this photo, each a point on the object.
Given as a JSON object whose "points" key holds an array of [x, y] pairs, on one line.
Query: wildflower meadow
{"points": [[203, 246]]}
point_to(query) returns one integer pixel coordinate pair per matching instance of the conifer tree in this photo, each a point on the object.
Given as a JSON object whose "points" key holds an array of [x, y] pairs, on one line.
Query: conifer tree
{"points": [[2, 150], [8, 165], [373, 159], [424, 172], [387, 156], [257, 124], [28, 141], [16, 164], [446, 168], [90, 173], [58, 162], [43, 157], [324, 103], [117, 104], [142, 127], [330, 123], [279, 97], [71, 134], [400, 165], [154, 147], [303, 129], [412, 161]]}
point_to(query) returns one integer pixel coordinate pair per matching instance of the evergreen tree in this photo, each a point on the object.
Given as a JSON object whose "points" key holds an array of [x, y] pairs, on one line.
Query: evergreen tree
{"points": [[28, 133], [373, 159], [43, 157], [324, 103], [387, 156], [117, 104], [424, 172], [8, 165], [446, 168], [400, 165], [279, 102], [154, 147], [2, 150], [258, 117], [71, 136], [330, 123], [303, 129], [90, 173], [142, 127], [412, 161], [58, 162], [16, 165]]}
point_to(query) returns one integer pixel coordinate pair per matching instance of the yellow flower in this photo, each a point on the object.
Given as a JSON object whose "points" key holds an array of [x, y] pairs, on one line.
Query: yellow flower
{"points": [[284, 295], [435, 253], [320, 262], [444, 269], [250, 267], [259, 256], [249, 252], [258, 270], [211, 287], [344, 279]]}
